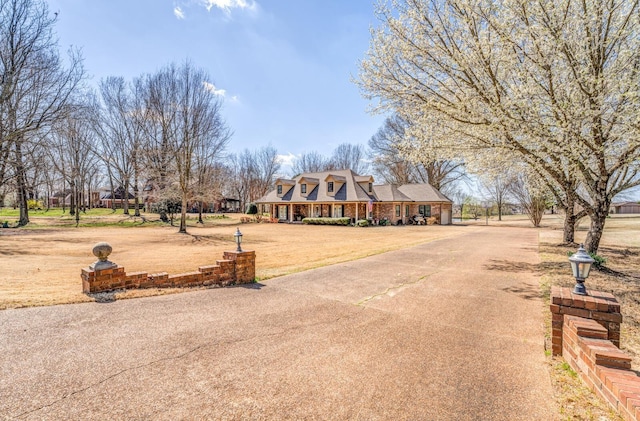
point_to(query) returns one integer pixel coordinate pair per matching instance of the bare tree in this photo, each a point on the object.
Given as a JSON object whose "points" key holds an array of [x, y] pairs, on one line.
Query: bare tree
{"points": [[310, 162], [497, 188], [117, 124], [349, 156], [396, 166], [254, 173], [74, 157], [187, 116], [35, 85], [266, 166], [531, 196]]}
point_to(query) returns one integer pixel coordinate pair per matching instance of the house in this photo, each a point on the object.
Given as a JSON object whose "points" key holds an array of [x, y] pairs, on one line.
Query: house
{"points": [[107, 200], [343, 193], [625, 207]]}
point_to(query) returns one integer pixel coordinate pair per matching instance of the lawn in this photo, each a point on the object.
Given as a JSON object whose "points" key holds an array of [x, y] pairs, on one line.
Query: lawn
{"points": [[45, 258]]}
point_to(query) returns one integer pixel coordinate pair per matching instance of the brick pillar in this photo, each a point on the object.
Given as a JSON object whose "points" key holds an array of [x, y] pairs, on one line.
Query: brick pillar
{"points": [[244, 265], [103, 280], [599, 306]]}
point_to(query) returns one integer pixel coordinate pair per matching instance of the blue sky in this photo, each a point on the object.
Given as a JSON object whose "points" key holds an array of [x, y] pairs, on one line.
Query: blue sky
{"points": [[284, 67]]}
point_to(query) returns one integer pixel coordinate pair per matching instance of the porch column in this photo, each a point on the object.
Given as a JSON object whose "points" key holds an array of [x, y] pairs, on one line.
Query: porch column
{"points": [[357, 206], [291, 212]]}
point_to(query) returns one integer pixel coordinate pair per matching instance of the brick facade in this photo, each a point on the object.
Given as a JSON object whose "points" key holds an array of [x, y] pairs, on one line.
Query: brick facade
{"points": [[235, 268]]}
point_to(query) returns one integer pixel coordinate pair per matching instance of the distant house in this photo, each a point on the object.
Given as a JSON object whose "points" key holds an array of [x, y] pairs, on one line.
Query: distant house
{"points": [[227, 204], [343, 193], [108, 200], [625, 207]]}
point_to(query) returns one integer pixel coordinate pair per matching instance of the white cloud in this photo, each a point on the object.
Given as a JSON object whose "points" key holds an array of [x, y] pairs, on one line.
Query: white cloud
{"points": [[287, 160], [235, 98], [227, 5], [212, 88], [177, 11]]}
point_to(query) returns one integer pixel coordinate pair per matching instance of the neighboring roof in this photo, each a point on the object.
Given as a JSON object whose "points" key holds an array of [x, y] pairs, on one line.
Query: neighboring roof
{"points": [[423, 193], [351, 191]]}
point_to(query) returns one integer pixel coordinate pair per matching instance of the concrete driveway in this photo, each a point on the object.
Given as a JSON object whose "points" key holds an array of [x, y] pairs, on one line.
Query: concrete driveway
{"points": [[450, 330]]}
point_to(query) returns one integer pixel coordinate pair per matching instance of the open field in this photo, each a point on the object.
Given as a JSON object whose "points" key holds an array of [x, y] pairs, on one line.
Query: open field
{"points": [[43, 262]]}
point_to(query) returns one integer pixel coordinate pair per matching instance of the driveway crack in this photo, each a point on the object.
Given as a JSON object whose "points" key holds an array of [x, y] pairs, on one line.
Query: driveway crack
{"points": [[175, 357], [106, 379], [392, 288]]}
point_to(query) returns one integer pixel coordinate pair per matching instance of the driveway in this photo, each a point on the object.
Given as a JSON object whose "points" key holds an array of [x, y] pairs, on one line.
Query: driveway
{"points": [[449, 330]]}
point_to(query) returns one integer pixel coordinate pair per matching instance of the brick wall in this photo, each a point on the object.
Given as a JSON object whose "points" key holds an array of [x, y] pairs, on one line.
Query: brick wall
{"points": [[604, 368], [599, 306], [586, 332], [234, 268]]}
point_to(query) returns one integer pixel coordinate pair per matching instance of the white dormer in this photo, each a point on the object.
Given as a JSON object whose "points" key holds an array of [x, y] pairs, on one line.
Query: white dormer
{"points": [[307, 184], [334, 183], [366, 182], [283, 186]]}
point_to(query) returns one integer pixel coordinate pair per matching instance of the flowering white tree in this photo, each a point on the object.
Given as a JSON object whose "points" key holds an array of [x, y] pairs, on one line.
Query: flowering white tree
{"points": [[551, 83]]}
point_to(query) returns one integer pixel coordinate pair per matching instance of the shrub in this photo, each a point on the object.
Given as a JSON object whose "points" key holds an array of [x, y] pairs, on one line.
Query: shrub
{"points": [[362, 223], [327, 221], [599, 261], [252, 209], [33, 204]]}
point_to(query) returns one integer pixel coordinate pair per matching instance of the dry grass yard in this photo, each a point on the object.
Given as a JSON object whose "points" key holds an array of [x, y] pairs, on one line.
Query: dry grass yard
{"points": [[41, 264]]}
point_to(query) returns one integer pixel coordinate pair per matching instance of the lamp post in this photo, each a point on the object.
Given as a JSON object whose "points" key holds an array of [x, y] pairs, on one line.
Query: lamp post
{"points": [[238, 236], [580, 265]]}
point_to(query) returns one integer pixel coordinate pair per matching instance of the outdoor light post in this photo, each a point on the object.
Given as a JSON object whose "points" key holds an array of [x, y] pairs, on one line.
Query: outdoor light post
{"points": [[238, 236], [580, 265]]}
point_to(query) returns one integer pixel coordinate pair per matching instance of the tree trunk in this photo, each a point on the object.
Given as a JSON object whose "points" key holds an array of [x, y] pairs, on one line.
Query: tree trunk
{"points": [[570, 220], [72, 205], [113, 192], [21, 180], [598, 219], [125, 203], [200, 221], [183, 216], [136, 196]]}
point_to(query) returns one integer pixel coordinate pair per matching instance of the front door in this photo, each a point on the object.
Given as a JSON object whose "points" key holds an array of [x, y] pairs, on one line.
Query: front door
{"points": [[282, 212]]}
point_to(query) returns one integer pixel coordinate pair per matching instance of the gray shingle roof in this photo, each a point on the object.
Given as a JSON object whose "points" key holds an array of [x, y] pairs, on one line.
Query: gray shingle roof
{"points": [[351, 191]]}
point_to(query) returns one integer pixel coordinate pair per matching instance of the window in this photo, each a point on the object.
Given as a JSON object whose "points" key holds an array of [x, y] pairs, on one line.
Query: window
{"points": [[330, 186], [397, 210], [339, 211], [406, 210], [425, 210], [370, 187], [303, 188], [279, 188]]}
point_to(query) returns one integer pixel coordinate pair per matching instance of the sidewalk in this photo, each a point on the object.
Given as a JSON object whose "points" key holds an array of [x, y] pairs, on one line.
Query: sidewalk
{"points": [[450, 330]]}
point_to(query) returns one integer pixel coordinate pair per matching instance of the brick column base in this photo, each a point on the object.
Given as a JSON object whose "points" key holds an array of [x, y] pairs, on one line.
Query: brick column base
{"points": [[599, 306]]}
